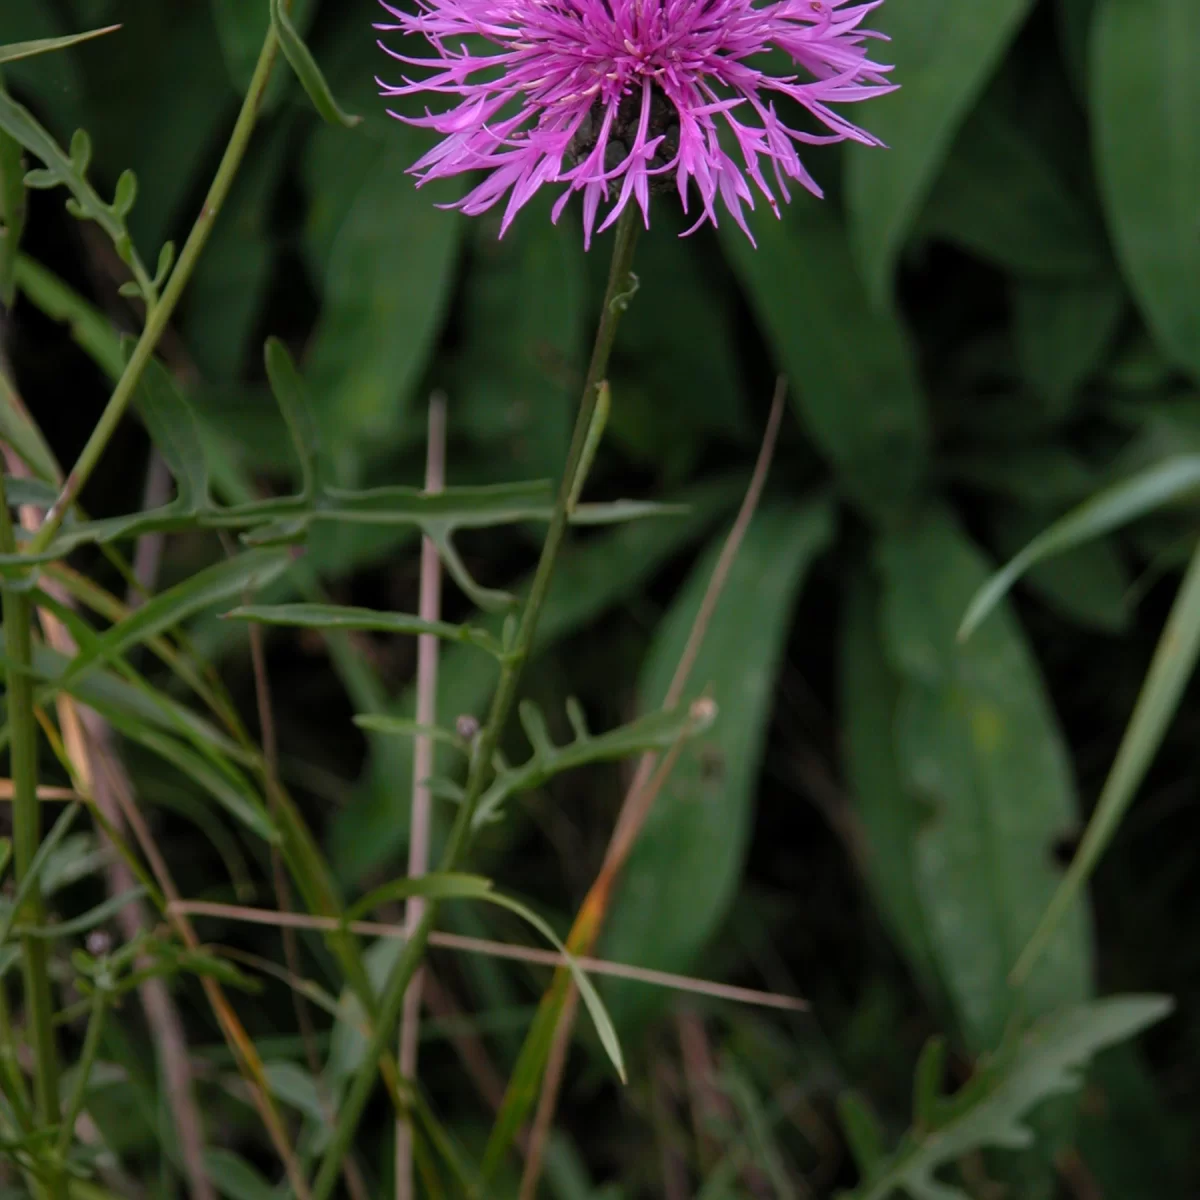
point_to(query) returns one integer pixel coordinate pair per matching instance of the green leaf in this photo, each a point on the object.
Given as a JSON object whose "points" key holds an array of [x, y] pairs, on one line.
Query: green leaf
{"points": [[1062, 331], [1146, 492], [23, 435], [176, 435], [980, 749], [851, 372], [438, 885], [991, 1108], [655, 731], [1145, 96], [16, 50], [12, 214], [235, 1178], [889, 813], [1173, 665], [288, 389], [687, 863], [295, 1086], [386, 289], [59, 830], [227, 579], [591, 578], [307, 71], [242, 29], [104, 911], [945, 55], [1000, 199], [334, 616], [1089, 584]]}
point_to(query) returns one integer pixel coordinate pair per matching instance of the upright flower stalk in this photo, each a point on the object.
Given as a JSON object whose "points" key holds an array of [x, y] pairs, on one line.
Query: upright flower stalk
{"points": [[620, 285]]}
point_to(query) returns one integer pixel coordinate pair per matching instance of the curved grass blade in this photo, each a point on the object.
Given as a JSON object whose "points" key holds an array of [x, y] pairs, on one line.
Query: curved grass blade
{"points": [[1143, 493], [18, 50], [307, 71], [1171, 668], [438, 885]]}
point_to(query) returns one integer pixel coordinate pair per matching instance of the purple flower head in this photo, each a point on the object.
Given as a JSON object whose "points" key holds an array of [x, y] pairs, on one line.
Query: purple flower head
{"points": [[619, 98]]}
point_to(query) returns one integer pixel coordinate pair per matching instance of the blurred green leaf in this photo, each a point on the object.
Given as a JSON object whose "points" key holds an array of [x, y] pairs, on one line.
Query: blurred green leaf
{"points": [[990, 1108], [242, 29], [1145, 96], [235, 1178], [176, 435], [1075, 26], [1088, 584], [1157, 486], [945, 56], [999, 198], [851, 373], [16, 50], [1063, 330], [438, 885], [1171, 669], [516, 367], [23, 435], [889, 813], [386, 291], [12, 215], [685, 867], [979, 748]]}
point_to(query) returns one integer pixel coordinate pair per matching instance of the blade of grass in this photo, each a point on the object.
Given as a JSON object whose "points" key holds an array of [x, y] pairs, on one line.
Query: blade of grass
{"points": [[1172, 666]]}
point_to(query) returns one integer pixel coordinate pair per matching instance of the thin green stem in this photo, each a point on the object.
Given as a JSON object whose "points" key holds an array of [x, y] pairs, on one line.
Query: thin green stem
{"points": [[87, 1059], [159, 315], [27, 831], [620, 286]]}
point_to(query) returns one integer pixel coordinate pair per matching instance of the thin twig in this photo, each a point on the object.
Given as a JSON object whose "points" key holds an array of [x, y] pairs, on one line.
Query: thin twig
{"points": [[430, 609], [472, 945], [639, 799]]}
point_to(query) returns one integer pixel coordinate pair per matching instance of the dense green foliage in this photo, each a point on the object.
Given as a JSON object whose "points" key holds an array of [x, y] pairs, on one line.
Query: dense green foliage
{"points": [[987, 328]]}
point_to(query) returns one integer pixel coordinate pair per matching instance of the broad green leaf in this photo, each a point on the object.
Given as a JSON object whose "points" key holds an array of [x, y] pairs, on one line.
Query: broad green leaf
{"points": [[295, 1086], [386, 290], [979, 748], [514, 366], [1074, 28], [889, 814], [1062, 330], [1146, 492], [334, 616], [999, 198], [1173, 665], [851, 372], [685, 868], [1145, 94], [991, 1109], [17, 50], [307, 71], [235, 1178], [945, 55]]}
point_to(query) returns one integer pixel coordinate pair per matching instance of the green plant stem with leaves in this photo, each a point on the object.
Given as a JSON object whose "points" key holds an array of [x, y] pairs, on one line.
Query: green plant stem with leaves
{"points": [[621, 283], [159, 315], [27, 831]]}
